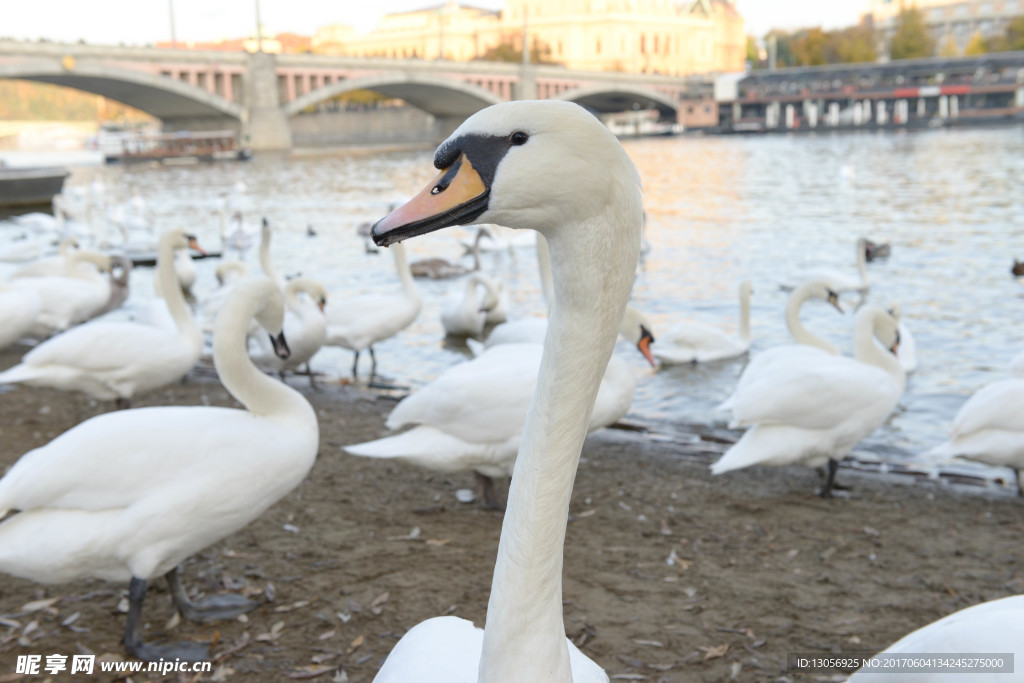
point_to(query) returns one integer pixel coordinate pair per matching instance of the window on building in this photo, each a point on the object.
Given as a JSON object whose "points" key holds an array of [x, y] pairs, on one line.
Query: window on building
{"points": [[643, 44], [597, 46]]}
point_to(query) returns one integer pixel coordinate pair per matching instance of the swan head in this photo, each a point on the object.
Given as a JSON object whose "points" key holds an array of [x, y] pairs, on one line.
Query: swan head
{"points": [[637, 329], [311, 288], [231, 271], [269, 313], [179, 239], [817, 289], [524, 164], [884, 326], [120, 270]]}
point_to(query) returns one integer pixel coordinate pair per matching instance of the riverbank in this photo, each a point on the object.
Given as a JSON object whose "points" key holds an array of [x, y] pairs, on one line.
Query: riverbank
{"points": [[670, 574]]}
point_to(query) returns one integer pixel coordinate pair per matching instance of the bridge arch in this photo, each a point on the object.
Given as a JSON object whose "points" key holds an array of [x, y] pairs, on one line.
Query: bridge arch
{"points": [[157, 95], [442, 97], [611, 97]]}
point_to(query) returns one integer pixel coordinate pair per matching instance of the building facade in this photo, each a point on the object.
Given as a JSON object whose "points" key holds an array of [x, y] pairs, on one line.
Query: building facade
{"points": [[633, 36], [951, 23]]}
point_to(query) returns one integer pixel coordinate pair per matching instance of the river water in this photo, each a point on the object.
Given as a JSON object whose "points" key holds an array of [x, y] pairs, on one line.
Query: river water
{"points": [[720, 210]]}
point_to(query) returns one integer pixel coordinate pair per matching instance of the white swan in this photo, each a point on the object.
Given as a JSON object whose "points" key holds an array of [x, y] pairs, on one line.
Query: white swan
{"points": [[813, 409], [74, 297], [1017, 365], [305, 326], [515, 164], [48, 266], [228, 274], [470, 418], [696, 342], [129, 495], [266, 263], [989, 428], [907, 351], [496, 300], [838, 280], [358, 322], [464, 313], [996, 626], [184, 269], [116, 360], [18, 311]]}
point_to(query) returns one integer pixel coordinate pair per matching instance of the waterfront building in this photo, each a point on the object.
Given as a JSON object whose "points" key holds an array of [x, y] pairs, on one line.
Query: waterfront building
{"points": [[632, 36], [951, 23]]}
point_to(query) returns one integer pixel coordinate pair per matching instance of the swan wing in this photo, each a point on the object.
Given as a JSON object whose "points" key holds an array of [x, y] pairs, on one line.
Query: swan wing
{"points": [[812, 392], [999, 405]]}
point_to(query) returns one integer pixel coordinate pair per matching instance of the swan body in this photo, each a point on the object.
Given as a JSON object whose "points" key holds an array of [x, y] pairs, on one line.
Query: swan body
{"points": [[471, 416], [305, 327], [496, 300], [990, 627], [131, 494], [553, 167], [48, 266], [814, 409], [116, 360], [358, 322], [696, 342], [838, 280], [74, 297], [18, 311], [989, 428]]}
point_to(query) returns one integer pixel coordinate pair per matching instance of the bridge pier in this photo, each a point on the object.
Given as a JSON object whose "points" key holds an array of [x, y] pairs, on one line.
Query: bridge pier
{"points": [[264, 124]]}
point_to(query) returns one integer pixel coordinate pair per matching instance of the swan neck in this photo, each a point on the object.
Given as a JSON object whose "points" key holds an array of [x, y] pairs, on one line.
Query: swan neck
{"points": [[258, 392], [404, 274], [544, 264], [167, 282], [800, 334], [866, 350], [524, 639], [265, 262], [745, 314], [862, 262]]}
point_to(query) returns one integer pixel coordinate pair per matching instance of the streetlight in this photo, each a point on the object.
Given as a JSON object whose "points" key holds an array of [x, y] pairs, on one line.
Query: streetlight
{"points": [[174, 37], [259, 30]]}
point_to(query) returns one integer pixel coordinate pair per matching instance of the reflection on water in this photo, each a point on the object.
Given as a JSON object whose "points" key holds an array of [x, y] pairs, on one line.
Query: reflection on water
{"points": [[719, 210]]}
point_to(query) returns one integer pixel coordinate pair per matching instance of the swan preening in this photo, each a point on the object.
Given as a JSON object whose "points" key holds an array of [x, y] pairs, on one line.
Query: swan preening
{"points": [[127, 496], [117, 360], [813, 408], [492, 170]]}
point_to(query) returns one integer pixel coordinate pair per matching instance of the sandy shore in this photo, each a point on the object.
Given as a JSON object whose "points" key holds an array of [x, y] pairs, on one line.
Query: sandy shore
{"points": [[670, 574]]}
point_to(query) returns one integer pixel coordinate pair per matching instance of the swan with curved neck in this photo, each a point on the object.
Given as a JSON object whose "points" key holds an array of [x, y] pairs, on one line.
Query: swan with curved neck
{"points": [[116, 360], [800, 295], [127, 496], [696, 342], [553, 167], [304, 325], [814, 408], [358, 322]]}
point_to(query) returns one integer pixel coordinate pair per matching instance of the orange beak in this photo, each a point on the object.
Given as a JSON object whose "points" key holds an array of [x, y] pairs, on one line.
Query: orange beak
{"points": [[192, 243]]}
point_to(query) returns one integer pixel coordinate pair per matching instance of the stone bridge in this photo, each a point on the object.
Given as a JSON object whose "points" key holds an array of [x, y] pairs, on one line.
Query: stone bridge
{"points": [[263, 95]]}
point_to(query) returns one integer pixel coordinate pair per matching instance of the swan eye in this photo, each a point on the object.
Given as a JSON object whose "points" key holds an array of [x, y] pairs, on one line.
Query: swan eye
{"points": [[519, 138]]}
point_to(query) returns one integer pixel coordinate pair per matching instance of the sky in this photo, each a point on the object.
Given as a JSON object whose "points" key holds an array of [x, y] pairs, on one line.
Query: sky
{"points": [[140, 22]]}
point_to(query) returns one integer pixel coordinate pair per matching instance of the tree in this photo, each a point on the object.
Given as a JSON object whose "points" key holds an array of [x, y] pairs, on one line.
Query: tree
{"points": [[911, 39], [753, 54], [976, 46], [809, 47], [1013, 39], [949, 47], [854, 44]]}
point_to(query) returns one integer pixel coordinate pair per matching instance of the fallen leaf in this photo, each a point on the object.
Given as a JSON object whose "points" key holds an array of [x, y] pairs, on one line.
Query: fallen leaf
{"points": [[375, 606], [326, 634], [649, 643], [37, 605], [438, 541], [715, 652], [356, 644], [311, 671], [294, 605]]}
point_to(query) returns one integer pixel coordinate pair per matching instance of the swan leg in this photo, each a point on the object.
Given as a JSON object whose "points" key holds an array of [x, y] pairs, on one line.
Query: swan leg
{"points": [[830, 478], [1020, 482], [190, 652], [488, 499], [373, 363], [212, 608], [355, 365]]}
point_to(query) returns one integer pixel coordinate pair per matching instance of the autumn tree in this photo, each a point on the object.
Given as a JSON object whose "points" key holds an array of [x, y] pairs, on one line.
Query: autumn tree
{"points": [[1013, 39], [976, 46], [853, 44], [911, 39], [753, 54], [511, 51], [949, 47], [808, 47]]}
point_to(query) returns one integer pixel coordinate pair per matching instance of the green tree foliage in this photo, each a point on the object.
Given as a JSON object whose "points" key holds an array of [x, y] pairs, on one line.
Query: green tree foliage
{"points": [[808, 47], [753, 55], [853, 44], [949, 47], [911, 39], [976, 46]]}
